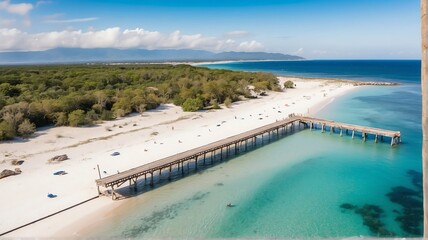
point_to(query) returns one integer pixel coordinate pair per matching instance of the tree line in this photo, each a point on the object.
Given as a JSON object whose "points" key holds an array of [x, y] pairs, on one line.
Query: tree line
{"points": [[74, 95]]}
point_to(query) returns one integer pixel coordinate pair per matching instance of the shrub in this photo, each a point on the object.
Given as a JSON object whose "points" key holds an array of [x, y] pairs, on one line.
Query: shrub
{"points": [[91, 116], [61, 119], [214, 104], [76, 118], [141, 108], [97, 108], [289, 84], [122, 107], [26, 128], [178, 101], [192, 105], [106, 115], [228, 102], [119, 113], [6, 131]]}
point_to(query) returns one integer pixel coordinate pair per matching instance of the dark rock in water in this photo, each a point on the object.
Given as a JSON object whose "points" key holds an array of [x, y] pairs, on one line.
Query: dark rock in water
{"points": [[411, 217], [348, 206], [406, 197], [403, 191], [370, 210], [416, 178], [371, 215], [411, 221]]}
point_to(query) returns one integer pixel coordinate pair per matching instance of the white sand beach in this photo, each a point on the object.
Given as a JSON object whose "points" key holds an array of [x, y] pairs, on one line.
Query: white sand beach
{"points": [[139, 139]]}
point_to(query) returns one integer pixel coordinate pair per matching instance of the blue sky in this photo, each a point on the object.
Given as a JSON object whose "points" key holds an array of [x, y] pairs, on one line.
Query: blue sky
{"points": [[315, 29]]}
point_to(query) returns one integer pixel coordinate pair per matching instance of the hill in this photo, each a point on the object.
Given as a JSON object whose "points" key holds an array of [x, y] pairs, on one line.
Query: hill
{"points": [[79, 55]]}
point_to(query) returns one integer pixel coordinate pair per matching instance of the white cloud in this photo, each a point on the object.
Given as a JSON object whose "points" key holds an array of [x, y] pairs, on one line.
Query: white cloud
{"points": [[17, 40], [236, 34], [298, 52], [18, 8], [75, 20], [40, 3], [249, 46]]}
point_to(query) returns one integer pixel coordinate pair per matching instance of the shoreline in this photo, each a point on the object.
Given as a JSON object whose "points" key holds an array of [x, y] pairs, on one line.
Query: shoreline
{"points": [[156, 134]]}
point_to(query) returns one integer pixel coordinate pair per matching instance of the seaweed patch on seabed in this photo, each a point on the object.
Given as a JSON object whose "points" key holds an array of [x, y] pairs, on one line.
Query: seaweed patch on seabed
{"points": [[150, 223], [411, 216], [371, 215]]}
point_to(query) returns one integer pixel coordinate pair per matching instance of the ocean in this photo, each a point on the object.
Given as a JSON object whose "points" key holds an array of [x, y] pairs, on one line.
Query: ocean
{"points": [[306, 185]]}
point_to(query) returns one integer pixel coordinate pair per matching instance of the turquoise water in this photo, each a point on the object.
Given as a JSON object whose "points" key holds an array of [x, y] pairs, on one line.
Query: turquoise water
{"points": [[295, 187]]}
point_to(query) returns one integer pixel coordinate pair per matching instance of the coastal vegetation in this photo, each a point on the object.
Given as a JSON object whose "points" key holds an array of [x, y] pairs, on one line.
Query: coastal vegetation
{"points": [[75, 95], [288, 84]]}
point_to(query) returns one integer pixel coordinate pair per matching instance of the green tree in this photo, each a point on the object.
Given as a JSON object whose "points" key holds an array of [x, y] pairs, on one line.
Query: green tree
{"points": [[76, 118], [14, 114], [26, 128], [60, 119], [192, 105], [37, 114], [122, 106], [259, 86], [47, 94], [6, 131], [90, 117], [106, 115]]}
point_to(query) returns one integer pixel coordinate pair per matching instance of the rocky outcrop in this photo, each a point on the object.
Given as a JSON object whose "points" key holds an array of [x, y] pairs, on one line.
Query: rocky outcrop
{"points": [[58, 158], [7, 173]]}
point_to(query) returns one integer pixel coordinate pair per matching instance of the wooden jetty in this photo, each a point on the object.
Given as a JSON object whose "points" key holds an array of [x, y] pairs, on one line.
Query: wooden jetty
{"points": [[233, 145], [333, 126]]}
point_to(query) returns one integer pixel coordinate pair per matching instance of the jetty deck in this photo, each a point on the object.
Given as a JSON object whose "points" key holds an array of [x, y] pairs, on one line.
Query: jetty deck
{"points": [[234, 144], [377, 132]]}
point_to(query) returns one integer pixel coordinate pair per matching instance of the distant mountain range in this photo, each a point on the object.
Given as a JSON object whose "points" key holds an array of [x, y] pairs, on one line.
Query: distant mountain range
{"points": [[79, 55]]}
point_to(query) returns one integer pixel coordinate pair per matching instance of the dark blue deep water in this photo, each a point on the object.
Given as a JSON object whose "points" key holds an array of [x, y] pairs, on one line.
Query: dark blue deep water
{"points": [[383, 70]]}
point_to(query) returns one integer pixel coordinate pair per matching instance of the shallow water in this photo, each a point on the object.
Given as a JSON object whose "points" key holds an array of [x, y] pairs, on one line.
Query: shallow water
{"points": [[294, 187]]}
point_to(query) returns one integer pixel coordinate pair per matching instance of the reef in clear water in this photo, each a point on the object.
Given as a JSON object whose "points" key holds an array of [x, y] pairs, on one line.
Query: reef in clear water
{"points": [[410, 216], [371, 215]]}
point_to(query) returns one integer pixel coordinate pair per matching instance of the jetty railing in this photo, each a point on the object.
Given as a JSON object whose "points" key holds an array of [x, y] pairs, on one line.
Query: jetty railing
{"points": [[234, 144], [341, 127]]}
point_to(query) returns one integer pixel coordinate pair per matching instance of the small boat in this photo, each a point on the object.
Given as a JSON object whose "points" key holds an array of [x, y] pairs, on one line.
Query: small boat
{"points": [[230, 205]]}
